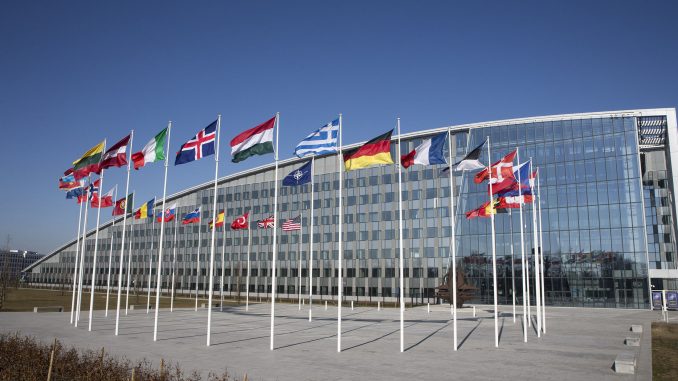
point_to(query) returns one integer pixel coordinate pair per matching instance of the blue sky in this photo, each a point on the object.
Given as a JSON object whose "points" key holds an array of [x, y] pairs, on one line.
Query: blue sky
{"points": [[75, 72]]}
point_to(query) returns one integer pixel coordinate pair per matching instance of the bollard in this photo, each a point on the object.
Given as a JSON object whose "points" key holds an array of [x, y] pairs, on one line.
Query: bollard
{"points": [[303, 302], [428, 308], [378, 306], [351, 305], [474, 311], [326, 305]]}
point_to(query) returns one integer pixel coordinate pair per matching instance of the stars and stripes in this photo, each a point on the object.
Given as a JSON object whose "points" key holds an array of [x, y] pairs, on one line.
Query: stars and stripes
{"points": [[292, 224]]}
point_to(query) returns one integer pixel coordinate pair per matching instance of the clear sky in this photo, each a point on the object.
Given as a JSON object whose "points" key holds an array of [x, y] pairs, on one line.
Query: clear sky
{"points": [[75, 72]]}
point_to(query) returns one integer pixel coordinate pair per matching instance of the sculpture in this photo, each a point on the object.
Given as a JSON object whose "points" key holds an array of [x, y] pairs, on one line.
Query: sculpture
{"points": [[465, 291]]}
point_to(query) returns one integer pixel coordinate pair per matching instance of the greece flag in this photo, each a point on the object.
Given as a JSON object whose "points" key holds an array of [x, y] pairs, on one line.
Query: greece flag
{"points": [[322, 141]]}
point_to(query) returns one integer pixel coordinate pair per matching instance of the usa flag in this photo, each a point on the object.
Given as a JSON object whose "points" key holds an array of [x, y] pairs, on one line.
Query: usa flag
{"points": [[292, 224], [202, 144]]}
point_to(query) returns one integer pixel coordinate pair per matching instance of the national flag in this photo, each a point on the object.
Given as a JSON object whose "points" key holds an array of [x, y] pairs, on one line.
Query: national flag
{"points": [[255, 141], [93, 190], [169, 214], [220, 220], [105, 201], [89, 162], [67, 181], [267, 223], [153, 151], [77, 175], [292, 224], [513, 189], [513, 202], [116, 156], [145, 210], [471, 161], [321, 141], [201, 145], [299, 176], [429, 152], [82, 198], [485, 210], [192, 217], [123, 204], [501, 170], [75, 192], [374, 152], [240, 222]]}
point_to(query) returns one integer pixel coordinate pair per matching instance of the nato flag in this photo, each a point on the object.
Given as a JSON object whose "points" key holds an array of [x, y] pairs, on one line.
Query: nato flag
{"points": [[299, 176]]}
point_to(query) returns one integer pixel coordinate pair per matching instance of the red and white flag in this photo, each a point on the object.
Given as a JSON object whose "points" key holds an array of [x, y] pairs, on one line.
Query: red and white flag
{"points": [[501, 170], [116, 156], [240, 222], [105, 201], [267, 223]]}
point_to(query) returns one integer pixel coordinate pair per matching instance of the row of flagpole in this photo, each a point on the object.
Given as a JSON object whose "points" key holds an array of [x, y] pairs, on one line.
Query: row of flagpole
{"points": [[537, 237]]}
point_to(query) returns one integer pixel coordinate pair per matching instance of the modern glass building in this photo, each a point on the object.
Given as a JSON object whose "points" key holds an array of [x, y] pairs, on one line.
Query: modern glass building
{"points": [[608, 215]]}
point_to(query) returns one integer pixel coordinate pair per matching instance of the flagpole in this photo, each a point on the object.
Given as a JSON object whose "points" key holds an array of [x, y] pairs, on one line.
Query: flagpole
{"points": [[110, 256], [82, 255], [197, 277], [162, 236], [537, 288], [174, 259], [340, 158], [122, 243], [513, 276], [522, 249], [129, 262], [400, 244], [301, 237], [75, 263], [150, 257], [214, 234], [453, 243], [310, 251], [541, 257], [494, 251], [223, 266], [275, 222], [249, 246], [96, 249]]}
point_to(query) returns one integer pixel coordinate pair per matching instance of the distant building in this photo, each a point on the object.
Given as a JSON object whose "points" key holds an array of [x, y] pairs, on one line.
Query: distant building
{"points": [[13, 261]]}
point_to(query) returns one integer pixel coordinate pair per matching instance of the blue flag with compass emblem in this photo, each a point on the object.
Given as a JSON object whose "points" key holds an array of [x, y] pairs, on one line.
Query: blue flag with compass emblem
{"points": [[299, 176]]}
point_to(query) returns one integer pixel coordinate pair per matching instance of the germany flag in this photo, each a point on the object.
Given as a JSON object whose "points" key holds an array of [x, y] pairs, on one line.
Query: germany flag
{"points": [[376, 151]]}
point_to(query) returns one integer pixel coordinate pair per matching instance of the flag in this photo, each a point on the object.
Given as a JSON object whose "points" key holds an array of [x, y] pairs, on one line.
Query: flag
{"points": [[192, 217], [374, 152], [220, 220], [255, 141], [240, 222], [94, 189], [201, 145], [145, 210], [429, 152], [169, 214], [89, 162], [106, 201], [75, 192], [124, 205], [116, 156], [471, 161], [514, 189], [501, 170], [513, 202], [68, 183], [153, 151], [299, 176], [485, 210], [292, 224], [77, 175], [321, 141], [267, 223]]}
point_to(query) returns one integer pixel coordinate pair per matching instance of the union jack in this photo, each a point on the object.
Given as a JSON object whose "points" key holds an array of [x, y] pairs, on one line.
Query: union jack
{"points": [[267, 223]]}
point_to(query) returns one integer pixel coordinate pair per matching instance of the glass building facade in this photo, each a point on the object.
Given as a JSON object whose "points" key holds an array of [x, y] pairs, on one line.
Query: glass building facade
{"points": [[608, 221]]}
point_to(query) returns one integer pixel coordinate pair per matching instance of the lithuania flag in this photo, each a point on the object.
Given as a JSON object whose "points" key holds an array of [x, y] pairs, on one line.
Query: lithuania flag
{"points": [[89, 162], [376, 151]]}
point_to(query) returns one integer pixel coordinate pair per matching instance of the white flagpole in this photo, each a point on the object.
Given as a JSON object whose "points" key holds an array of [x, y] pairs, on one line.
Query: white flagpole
{"points": [[75, 262], [122, 243], [96, 249], [400, 244], [541, 258], [150, 259], [174, 258], [310, 250], [535, 240], [494, 251], [453, 243], [522, 252], [197, 274], [162, 236], [340, 158], [301, 236], [82, 256], [129, 263], [214, 235], [223, 265], [110, 256], [249, 246], [513, 275], [275, 235]]}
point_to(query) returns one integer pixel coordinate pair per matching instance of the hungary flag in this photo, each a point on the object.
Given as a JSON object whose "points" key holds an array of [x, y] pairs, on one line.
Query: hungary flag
{"points": [[255, 141], [153, 151]]}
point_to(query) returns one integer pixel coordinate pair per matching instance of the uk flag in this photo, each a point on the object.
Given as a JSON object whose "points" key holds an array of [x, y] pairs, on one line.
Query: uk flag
{"points": [[202, 144]]}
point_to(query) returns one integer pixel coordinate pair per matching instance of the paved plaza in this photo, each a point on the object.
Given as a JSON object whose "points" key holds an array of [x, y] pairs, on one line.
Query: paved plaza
{"points": [[580, 343]]}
